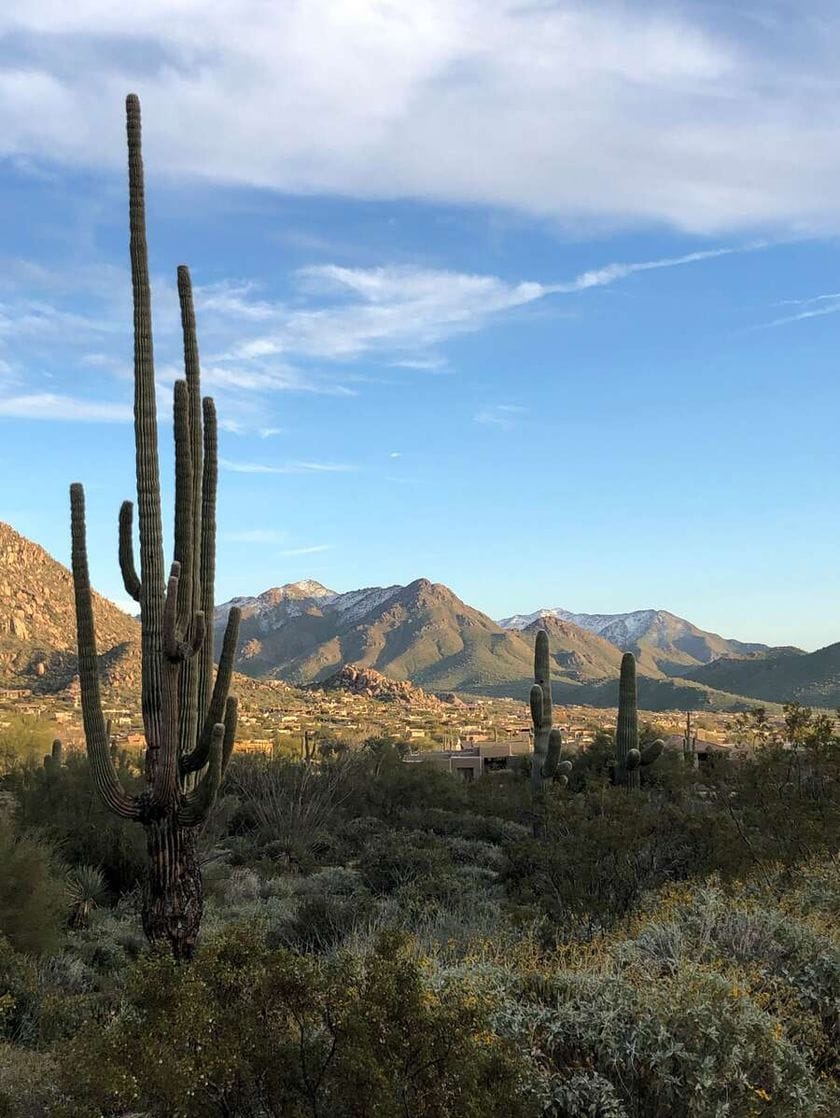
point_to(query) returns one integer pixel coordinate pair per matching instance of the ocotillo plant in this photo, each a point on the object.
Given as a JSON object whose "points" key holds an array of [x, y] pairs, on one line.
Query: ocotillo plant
{"points": [[629, 757], [189, 721], [545, 764]]}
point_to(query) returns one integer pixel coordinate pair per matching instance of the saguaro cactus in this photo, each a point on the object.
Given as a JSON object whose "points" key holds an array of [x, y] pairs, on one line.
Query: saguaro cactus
{"points": [[189, 720], [546, 764], [629, 757], [53, 759], [689, 742]]}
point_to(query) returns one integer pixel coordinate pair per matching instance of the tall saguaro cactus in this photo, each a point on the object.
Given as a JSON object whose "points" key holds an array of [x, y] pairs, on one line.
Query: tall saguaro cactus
{"points": [[546, 764], [629, 757], [189, 719]]}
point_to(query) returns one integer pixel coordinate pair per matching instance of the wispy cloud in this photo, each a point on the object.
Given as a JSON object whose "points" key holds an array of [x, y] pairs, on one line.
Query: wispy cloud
{"points": [[815, 307], [499, 415], [286, 468], [255, 535], [396, 313], [45, 405], [313, 550]]}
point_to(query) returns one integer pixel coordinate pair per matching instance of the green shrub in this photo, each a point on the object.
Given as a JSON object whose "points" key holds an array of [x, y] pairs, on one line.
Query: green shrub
{"points": [[251, 1031], [407, 859], [34, 900]]}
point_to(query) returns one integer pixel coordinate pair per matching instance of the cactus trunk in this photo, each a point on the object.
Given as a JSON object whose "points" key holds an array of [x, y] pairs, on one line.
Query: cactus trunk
{"points": [[173, 896], [627, 727]]}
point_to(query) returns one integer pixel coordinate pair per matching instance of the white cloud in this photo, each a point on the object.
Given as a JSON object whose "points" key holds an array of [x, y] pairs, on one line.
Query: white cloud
{"points": [[46, 405], [814, 308], [308, 550], [597, 111], [255, 535], [499, 415], [287, 468]]}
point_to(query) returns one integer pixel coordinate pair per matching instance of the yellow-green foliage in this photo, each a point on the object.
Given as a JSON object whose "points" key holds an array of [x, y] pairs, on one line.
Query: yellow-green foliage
{"points": [[33, 894], [247, 1030], [25, 739]]}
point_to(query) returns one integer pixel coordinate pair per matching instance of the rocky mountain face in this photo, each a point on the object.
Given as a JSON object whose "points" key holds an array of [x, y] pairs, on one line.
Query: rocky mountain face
{"points": [[659, 639], [38, 620], [421, 632], [421, 635]]}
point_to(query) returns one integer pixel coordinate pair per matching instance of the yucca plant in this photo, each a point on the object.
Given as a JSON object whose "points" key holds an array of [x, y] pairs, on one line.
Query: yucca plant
{"points": [[86, 890], [188, 719]]}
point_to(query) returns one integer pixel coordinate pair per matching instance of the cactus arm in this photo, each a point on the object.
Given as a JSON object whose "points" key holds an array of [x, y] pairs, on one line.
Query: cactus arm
{"points": [[197, 759], [145, 431], [652, 752], [184, 518], [535, 700], [552, 757], [96, 738], [193, 378], [192, 708], [196, 805], [209, 483], [131, 580], [231, 719]]}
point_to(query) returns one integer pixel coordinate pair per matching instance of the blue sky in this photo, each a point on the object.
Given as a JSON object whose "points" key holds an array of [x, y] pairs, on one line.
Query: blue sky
{"points": [[537, 300]]}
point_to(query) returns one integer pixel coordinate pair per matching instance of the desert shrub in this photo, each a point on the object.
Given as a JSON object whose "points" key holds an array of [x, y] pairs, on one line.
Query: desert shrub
{"points": [[64, 806], [339, 881], [602, 853], [253, 1031], [687, 1046], [403, 859], [467, 825], [34, 900], [287, 809], [791, 967], [322, 922], [241, 887], [377, 783], [28, 1086]]}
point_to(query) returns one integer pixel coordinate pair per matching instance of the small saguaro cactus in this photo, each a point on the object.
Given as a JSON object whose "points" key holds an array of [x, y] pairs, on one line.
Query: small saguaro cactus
{"points": [[546, 765], [689, 743], [189, 720], [629, 757], [52, 761]]}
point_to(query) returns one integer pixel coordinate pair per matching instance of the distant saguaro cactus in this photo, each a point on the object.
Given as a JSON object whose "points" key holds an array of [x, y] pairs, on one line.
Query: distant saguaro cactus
{"points": [[545, 764], [628, 755], [689, 743], [189, 720], [53, 759]]}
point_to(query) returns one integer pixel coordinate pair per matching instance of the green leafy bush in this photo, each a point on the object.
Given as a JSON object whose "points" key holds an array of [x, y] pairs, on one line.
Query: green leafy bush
{"points": [[252, 1031]]}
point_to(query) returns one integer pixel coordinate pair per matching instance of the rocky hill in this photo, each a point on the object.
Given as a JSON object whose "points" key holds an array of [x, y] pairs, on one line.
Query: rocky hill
{"points": [[374, 685], [38, 620], [810, 678]]}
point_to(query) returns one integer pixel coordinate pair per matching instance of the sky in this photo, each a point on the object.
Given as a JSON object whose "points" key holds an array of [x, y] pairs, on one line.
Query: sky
{"points": [[536, 299]]}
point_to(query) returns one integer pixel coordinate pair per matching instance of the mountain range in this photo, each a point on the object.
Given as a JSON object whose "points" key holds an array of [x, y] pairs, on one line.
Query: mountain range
{"points": [[422, 633]]}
